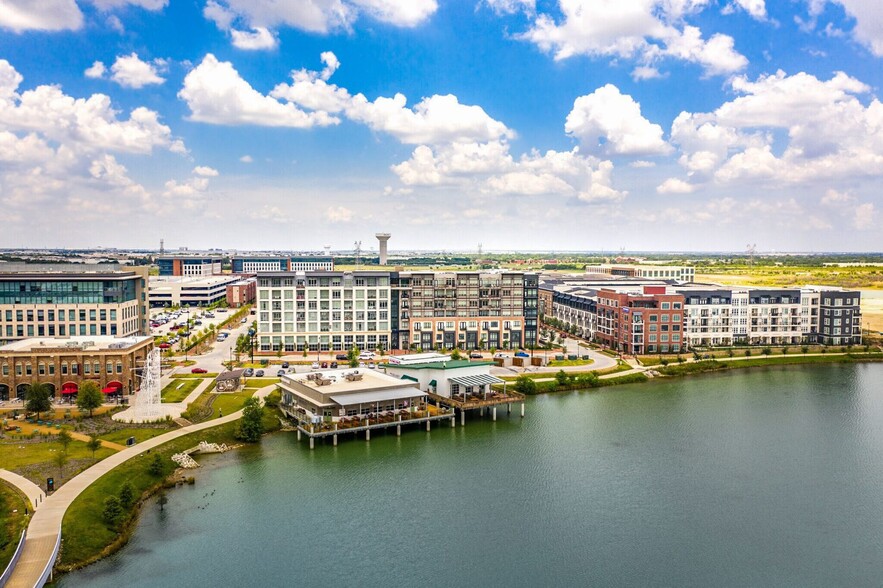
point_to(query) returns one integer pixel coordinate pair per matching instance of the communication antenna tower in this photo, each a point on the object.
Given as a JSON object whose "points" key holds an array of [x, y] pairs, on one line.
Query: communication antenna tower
{"points": [[358, 252], [479, 249], [162, 246], [751, 249]]}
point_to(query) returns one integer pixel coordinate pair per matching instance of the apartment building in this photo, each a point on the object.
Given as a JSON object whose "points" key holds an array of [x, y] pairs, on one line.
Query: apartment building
{"points": [[189, 266], [577, 308], [840, 317], [332, 311], [323, 311], [638, 322], [304, 263], [241, 292], [65, 300], [469, 310]]}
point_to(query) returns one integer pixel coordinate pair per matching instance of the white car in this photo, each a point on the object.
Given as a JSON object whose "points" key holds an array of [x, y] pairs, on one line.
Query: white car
{"points": [[315, 365], [366, 355]]}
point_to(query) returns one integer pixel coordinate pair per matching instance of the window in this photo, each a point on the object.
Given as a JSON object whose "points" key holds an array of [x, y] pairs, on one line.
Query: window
{"points": [[665, 306], [5, 369], [75, 368]]}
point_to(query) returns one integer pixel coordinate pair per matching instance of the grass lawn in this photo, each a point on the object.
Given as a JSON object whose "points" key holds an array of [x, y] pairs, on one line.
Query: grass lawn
{"points": [[176, 391], [185, 376], [14, 456], [140, 434], [12, 521], [87, 536], [260, 382]]}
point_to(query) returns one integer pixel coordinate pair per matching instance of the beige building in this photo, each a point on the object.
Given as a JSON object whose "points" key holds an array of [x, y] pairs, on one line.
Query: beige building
{"points": [[64, 364], [72, 300]]}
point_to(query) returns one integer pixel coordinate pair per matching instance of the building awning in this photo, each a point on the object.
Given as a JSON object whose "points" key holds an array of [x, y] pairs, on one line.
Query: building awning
{"points": [[112, 389], [412, 378], [433, 383], [478, 380], [370, 397], [69, 391], [69, 388]]}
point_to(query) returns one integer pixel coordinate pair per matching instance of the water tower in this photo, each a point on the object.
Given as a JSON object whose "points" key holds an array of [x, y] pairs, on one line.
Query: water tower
{"points": [[383, 238]]}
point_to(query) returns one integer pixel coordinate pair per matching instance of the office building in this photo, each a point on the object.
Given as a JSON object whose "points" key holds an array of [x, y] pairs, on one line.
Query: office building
{"points": [[241, 292], [646, 321], [63, 364], [662, 272], [302, 263], [65, 300], [189, 291], [189, 266]]}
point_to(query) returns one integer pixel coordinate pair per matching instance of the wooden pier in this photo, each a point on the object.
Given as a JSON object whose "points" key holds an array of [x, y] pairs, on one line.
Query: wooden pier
{"points": [[479, 402]]}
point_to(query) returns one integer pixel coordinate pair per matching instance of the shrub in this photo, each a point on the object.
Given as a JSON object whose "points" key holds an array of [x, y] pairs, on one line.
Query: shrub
{"points": [[747, 353], [663, 361], [804, 349], [562, 378], [251, 425], [766, 350], [273, 399], [127, 495], [524, 385], [113, 510], [156, 465]]}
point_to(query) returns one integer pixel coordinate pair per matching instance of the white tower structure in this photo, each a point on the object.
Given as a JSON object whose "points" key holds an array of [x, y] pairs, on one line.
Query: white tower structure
{"points": [[383, 238]]}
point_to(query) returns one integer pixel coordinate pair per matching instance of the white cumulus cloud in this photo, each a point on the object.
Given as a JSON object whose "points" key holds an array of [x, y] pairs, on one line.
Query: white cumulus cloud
{"points": [[257, 39], [616, 120], [40, 15], [96, 70], [130, 71]]}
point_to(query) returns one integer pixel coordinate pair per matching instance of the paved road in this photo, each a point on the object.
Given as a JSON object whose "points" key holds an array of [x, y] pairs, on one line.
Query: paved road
{"points": [[45, 526], [32, 491]]}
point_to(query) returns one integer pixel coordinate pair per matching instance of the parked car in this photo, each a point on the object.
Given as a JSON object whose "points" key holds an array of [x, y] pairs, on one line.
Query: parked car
{"points": [[249, 372], [500, 355], [244, 320], [366, 355], [280, 373], [259, 374], [315, 365], [475, 355], [334, 365], [221, 310], [198, 371], [371, 365], [341, 357], [164, 345], [285, 364], [522, 354], [197, 323], [324, 365]]}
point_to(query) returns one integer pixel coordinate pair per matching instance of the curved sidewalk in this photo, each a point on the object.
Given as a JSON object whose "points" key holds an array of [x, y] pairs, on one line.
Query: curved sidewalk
{"points": [[32, 491], [45, 526]]}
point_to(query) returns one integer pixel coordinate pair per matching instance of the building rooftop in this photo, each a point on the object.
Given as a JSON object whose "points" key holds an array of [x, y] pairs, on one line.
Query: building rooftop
{"points": [[94, 343], [369, 380], [160, 281]]}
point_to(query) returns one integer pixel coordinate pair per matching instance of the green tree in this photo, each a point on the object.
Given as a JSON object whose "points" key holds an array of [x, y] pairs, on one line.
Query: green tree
{"points": [[60, 459], [455, 354], [804, 350], [37, 398], [353, 356], [113, 510], [156, 467], [562, 378], [251, 425], [89, 397], [64, 438], [766, 350], [93, 444], [524, 385], [127, 495]]}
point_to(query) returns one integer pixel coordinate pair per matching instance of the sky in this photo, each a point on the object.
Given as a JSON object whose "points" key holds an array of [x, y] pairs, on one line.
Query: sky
{"points": [[658, 125]]}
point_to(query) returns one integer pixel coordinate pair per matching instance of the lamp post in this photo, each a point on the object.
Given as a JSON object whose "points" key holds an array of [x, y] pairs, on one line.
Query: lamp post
{"points": [[251, 335]]}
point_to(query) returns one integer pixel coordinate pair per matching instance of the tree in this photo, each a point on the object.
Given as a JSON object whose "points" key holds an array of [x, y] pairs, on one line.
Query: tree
{"points": [[37, 398], [804, 349], [562, 378], [60, 459], [89, 397], [64, 438], [156, 466], [455, 354], [353, 356], [251, 425], [127, 495], [113, 510], [93, 444], [524, 385]]}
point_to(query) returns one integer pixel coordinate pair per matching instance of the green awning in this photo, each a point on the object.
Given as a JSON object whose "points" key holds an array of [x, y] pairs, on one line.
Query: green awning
{"points": [[407, 377], [433, 383]]}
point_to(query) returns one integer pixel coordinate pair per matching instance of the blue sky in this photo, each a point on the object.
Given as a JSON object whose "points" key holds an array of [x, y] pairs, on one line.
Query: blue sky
{"points": [[520, 124]]}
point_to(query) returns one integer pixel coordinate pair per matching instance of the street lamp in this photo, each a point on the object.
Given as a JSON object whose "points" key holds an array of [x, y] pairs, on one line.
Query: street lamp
{"points": [[251, 335]]}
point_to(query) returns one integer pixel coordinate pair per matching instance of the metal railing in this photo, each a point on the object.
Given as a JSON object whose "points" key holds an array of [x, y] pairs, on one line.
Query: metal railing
{"points": [[7, 573]]}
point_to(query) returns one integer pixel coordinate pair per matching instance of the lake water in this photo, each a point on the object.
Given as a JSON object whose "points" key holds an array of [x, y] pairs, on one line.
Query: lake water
{"points": [[767, 477]]}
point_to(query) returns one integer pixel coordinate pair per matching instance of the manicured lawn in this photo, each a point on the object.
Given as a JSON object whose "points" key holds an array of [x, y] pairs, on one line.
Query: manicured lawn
{"points": [[140, 434], [176, 391], [260, 382], [14, 456], [228, 403], [86, 534], [185, 376], [12, 521]]}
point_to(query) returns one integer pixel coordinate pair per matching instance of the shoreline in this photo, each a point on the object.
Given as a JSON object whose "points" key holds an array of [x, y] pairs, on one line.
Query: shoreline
{"points": [[174, 479]]}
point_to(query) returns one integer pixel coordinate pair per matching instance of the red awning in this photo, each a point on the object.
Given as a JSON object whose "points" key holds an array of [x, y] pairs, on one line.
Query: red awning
{"points": [[112, 390], [69, 388], [69, 391]]}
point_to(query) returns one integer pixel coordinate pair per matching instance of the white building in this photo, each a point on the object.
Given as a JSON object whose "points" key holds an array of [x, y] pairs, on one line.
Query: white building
{"points": [[189, 291], [439, 374]]}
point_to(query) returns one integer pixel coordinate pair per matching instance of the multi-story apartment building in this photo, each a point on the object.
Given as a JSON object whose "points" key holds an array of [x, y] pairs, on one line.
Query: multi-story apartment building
{"points": [[840, 317], [323, 311], [577, 308], [72, 300], [242, 292], [639, 322], [304, 263], [189, 266], [332, 311], [469, 310]]}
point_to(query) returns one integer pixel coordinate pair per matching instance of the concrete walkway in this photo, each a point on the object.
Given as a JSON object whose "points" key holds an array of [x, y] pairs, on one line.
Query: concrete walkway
{"points": [[45, 527], [32, 491]]}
